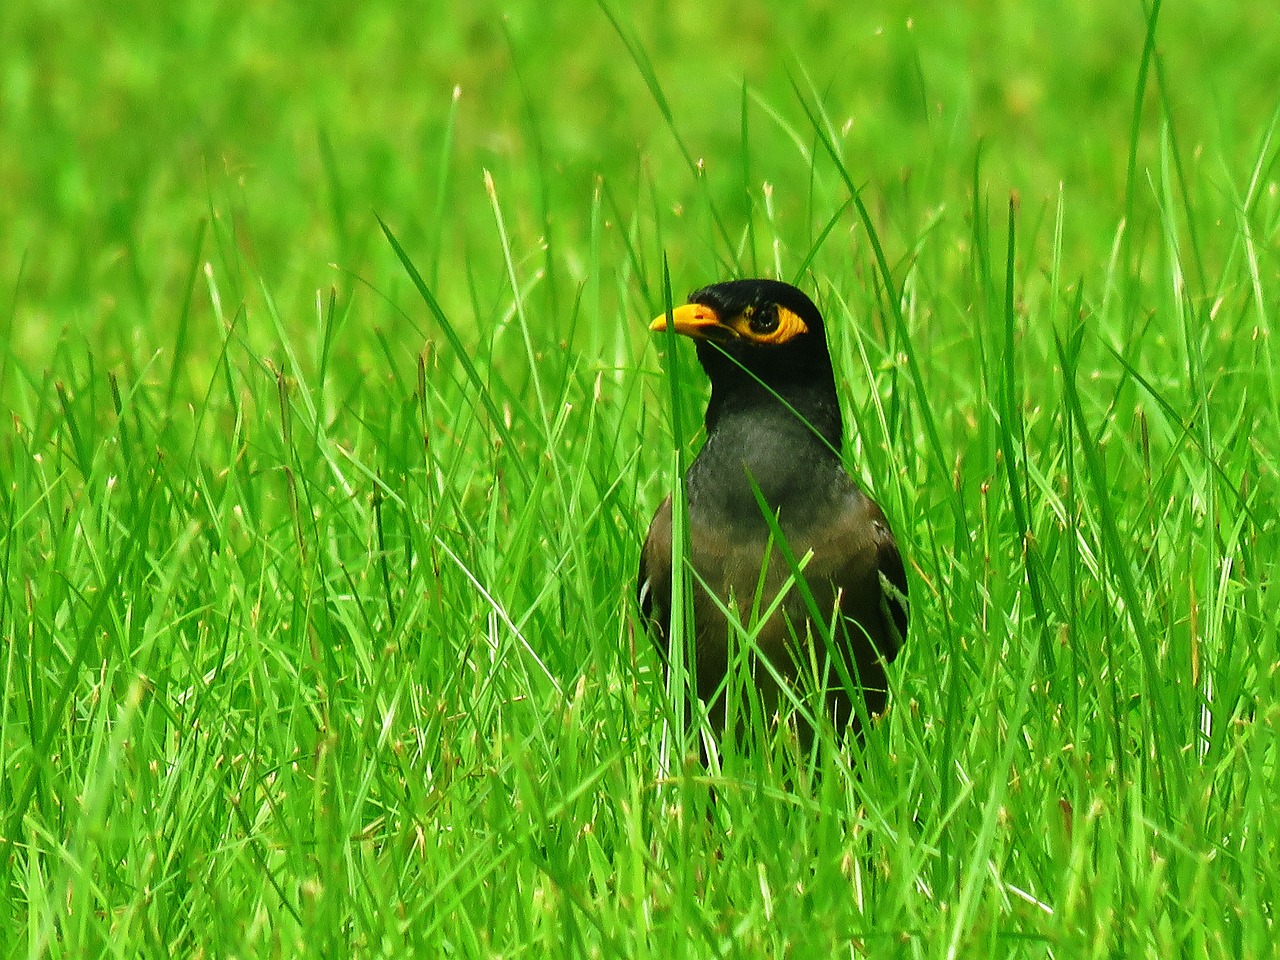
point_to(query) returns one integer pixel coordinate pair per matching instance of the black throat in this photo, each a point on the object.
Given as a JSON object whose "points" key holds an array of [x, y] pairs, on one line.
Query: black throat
{"points": [[785, 436]]}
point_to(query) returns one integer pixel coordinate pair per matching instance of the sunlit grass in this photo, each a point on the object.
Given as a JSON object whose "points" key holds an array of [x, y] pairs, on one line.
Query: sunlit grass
{"points": [[334, 429]]}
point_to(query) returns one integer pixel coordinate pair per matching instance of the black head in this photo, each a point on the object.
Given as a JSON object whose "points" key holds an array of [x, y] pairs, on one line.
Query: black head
{"points": [[768, 327]]}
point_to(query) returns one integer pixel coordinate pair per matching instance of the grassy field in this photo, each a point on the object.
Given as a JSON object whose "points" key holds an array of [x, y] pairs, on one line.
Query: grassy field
{"points": [[332, 427]]}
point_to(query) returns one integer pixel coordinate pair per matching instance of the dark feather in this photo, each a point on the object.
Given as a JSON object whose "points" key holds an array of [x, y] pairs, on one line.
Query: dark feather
{"points": [[774, 427]]}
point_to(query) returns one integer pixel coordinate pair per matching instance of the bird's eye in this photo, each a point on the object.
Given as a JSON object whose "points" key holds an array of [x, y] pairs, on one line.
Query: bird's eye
{"points": [[764, 322], [768, 326]]}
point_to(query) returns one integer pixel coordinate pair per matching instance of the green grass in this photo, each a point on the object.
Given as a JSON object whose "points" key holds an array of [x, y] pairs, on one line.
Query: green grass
{"points": [[319, 533]]}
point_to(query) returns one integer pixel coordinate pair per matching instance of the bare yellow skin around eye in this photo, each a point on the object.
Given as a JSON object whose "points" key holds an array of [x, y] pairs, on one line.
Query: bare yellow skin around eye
{"points": [[703, 323], [789, 326]]}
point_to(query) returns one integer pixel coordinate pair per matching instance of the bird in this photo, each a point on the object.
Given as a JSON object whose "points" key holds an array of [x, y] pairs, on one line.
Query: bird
{"points": [[774, 432]]}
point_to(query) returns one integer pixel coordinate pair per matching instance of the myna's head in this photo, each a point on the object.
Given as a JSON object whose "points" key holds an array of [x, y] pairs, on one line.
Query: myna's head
{"points": [[768, 327]]}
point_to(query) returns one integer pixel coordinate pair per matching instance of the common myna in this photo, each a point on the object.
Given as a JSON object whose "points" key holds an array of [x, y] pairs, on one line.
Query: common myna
{"points": [[773, 425]]}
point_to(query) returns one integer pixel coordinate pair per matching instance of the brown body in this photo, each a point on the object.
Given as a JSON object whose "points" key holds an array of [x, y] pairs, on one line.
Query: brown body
{"points": [[848, 551]]}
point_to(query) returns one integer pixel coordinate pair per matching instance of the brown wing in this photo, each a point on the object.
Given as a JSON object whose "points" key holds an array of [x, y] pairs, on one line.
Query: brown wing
{"points": [[653, 585], [728, 567], [893, 586], [867, 569], [856, 559]]}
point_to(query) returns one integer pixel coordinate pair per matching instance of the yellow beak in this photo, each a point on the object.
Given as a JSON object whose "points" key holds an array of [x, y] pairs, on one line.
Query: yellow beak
{"points": [[694, 320]]}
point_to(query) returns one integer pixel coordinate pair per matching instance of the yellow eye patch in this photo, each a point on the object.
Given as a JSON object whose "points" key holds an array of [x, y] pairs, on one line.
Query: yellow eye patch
{"points": [[772, 325]]}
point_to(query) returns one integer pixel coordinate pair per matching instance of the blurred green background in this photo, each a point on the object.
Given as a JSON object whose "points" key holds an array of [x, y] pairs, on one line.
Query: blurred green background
{"points": [[120, 131]]}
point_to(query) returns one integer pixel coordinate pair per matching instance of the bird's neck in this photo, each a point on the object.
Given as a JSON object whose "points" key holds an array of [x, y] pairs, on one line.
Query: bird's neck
{"points": [[794, 407], [784, 438]]}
